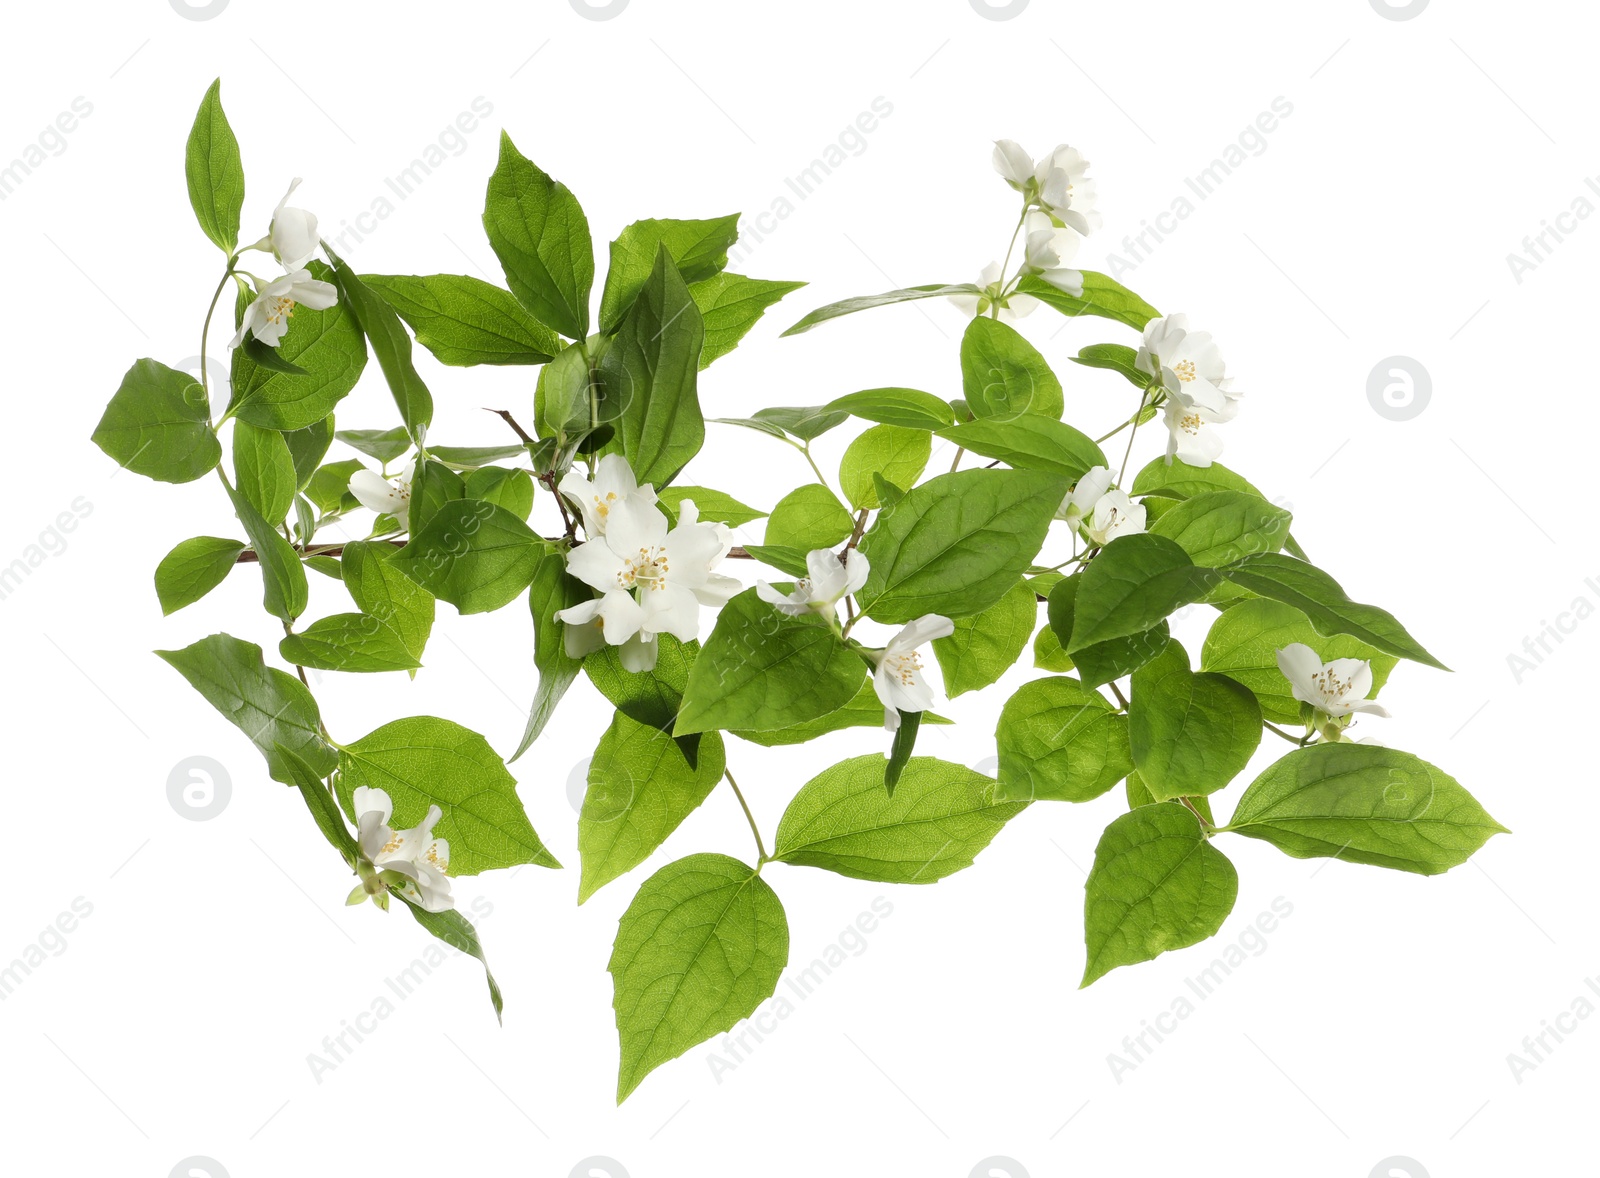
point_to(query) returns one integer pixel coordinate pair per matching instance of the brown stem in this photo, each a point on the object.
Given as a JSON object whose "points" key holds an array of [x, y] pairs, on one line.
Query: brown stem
{"points": [[505, 414]]}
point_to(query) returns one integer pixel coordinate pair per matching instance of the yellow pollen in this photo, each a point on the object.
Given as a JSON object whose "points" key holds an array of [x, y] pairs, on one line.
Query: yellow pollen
{"points": [[1184, 369], [1190, 423]]}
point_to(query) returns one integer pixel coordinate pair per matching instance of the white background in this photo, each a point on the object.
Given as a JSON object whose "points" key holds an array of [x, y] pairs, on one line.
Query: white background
{"points": [[1375, 221]]}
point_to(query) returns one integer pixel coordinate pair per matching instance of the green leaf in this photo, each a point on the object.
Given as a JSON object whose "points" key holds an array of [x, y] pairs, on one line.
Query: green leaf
{"points": [[713, 506], [469, 458], [159, 425], [1029, 442], [731, 304], [510, 489], [650, 697], [307, 448], [784, 559], [1319, 597], [1102, 295], [1116, 358], [1139, 795], [891, 452], [1057, 740], [701, 946], [329, 488], [456, 931], [193, 569], [908, 408], [538, 231], [433, 484], [423, 761], [933, 825], [761, 669], [381, 445], [956, 544], [283, 577], [1047, 652], [1131, 586], [348, 642], [1365, 804], [215, 173], [808, 518], [807, 423], [383, 592], [324, 810], [390, 344], [327, 344], [1100, 663], [464, 320], [263, 470], [1178, 480], [1219, 527], [699, 249], [1244, 641], [1190, 733], [552, 590], [986, 644], [474, 555], [649, 374], [865, 710], [1003, 375], [865, 302], [269, 706], [268, 358], [900, 750], [641, 787], [1156, 884]]}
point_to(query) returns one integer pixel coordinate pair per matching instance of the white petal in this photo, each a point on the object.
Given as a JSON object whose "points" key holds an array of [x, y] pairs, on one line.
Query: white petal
{"points": [[922, 631], [856, 570], [376, 492], [1300, 666], [596, 565], [671, 609], [639, 654], [1012, 162]]}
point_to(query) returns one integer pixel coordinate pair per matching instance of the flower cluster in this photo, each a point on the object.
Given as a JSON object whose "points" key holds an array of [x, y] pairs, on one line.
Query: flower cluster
{"points": [[1189, 379], [1335, 691], [652, 579], [1099, 512], [411, 862], [291, 239]]}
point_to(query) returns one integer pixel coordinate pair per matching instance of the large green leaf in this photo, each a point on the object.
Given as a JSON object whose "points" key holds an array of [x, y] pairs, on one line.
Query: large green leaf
{"points": [[269, 706], [263, 470], [307, 448], [214, 172], [464, 320], [908, 408], [1029, 442], [1157, 884], [474, 555], [1102, 295], [193, 569], [1190, 733], [1059, 741], [1219, 527], [712, 506], [384, 593], [424, 761], [956, 544], [1365, 804], [761, 669], [159, 425], [892, 452], [538, 231], [1101, 662], [699, 249], [327, 345], [392, 346], [552, 590], [865, 302], [865, 710], [933, 825], [348, 642], [1319, 597], [1244, 641], [808, 518], [985, 645], [649, 374], [641, 787], [701, 946], [283, 577], [650, 697], [731, 304], [1003, 375], [1131, 586]]}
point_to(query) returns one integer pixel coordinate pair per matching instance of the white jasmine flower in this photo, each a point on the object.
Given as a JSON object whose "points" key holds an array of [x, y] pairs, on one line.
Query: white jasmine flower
{"points": [[1188, 368], [293, 234], [1099, 512], [898, 679], [267, 318], [1059, 183], [652, 580], [413, 861], [613, 482], [386, 496], [1045, 247], [1336, 689], [830, 581], [1012, 306]]}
